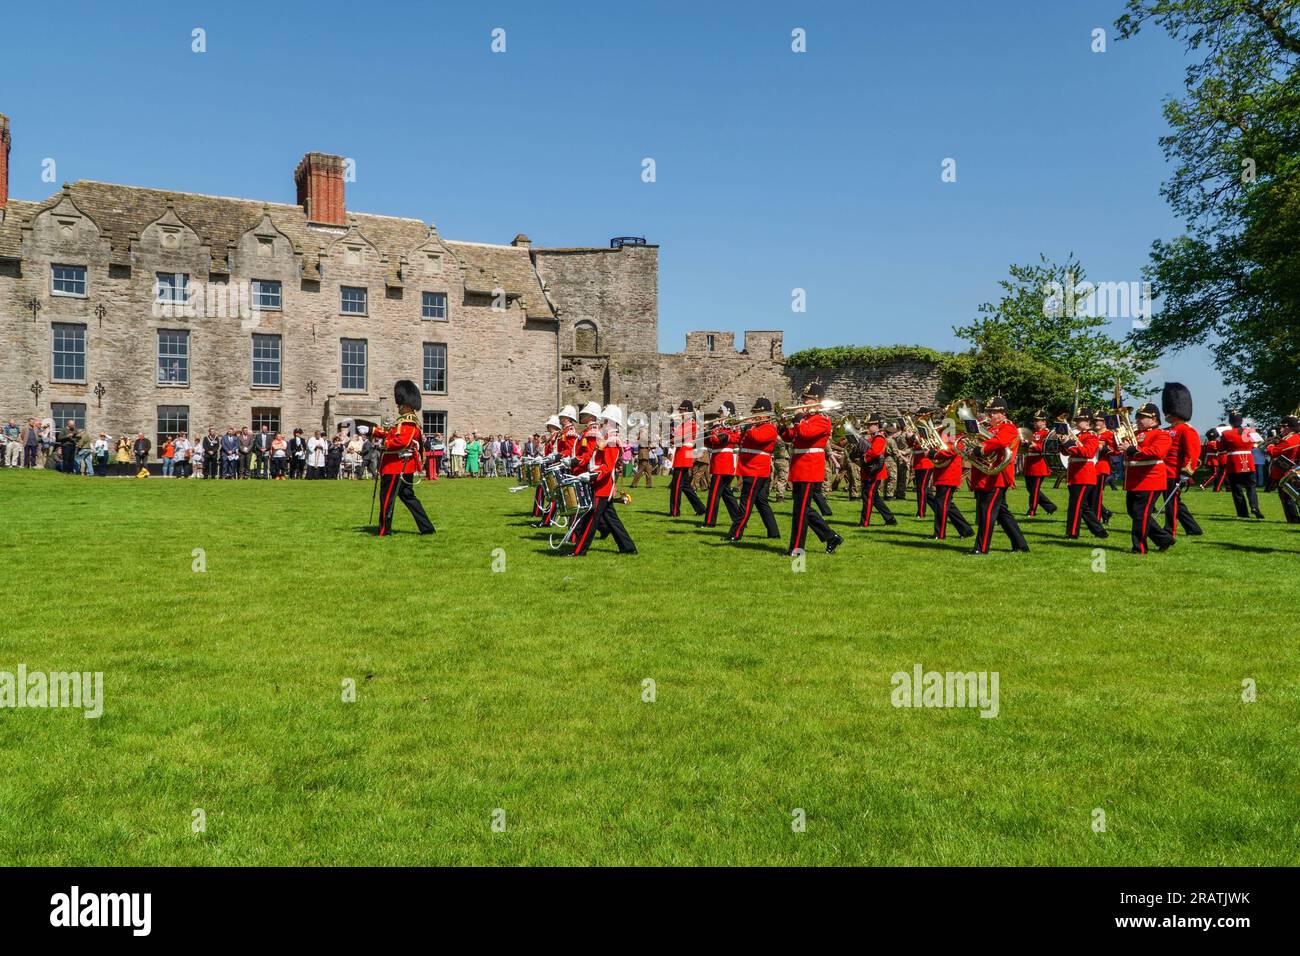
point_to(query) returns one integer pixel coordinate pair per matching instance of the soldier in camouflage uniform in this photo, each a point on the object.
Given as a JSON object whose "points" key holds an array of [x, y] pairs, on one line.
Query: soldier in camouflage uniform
{"points": [[781, 470], [893, 456]]}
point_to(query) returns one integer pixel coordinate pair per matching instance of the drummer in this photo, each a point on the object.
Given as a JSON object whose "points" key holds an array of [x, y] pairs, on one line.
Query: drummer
{"points": [[534, 470]]}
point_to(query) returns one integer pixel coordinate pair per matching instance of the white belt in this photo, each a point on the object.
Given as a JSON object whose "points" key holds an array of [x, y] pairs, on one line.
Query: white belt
{"points": [[689, 444], [1093, 459], [805, 451], [755, 453], [723, 451], [1241, 453]]}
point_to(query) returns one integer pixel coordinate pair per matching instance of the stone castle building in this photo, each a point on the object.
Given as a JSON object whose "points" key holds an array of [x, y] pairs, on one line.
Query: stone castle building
{"points": [[135, 309]]}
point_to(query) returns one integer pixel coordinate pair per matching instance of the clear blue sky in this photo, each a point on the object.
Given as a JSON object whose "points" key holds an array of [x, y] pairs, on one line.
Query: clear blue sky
{"points": [[775, 170]]}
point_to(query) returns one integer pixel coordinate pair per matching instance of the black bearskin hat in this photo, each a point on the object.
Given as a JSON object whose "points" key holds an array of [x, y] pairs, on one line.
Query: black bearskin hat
{"points": [[728, 408], [405, 393], [1176, 400], [1235, 418], [761, 405]]}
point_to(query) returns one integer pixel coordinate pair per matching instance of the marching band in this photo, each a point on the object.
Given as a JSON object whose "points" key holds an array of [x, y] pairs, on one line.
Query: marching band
{"points": [[576, 496]]}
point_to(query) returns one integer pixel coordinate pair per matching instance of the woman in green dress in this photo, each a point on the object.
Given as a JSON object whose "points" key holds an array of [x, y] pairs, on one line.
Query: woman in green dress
{"points": [[472, 452]]}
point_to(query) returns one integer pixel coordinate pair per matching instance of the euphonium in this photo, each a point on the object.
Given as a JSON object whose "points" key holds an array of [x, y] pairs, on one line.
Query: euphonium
{"points": [[990, 464]]}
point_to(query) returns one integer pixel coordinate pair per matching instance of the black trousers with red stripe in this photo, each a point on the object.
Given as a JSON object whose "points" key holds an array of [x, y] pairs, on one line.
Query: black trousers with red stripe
{"points": [[753, 495], [873, 500], [603, 518], [804, 516], [1082, 511], [1142, 509], [1176, 511], [681, 485], [946, 512], [1099, 509], [1034, 483], [921, 479], [537, 502], [720, 489], [392, 487], [991, 509]]}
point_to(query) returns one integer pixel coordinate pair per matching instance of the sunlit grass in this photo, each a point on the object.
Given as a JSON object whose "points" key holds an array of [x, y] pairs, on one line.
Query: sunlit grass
{"points": [[523, 690]]}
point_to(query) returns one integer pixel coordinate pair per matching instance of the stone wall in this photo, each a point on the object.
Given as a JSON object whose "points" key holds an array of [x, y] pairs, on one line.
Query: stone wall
{"points": [[616, 290], [888, 389]]}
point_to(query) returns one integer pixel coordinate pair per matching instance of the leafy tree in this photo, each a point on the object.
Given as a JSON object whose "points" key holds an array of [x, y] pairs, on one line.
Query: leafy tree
{"points": [[1041, 338], [1232, 282]]}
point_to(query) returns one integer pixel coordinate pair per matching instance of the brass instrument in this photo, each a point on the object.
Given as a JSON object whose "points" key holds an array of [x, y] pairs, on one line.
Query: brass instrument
{"points": [[782, 413], [990, 464], [927, 433], [1125, 433]]}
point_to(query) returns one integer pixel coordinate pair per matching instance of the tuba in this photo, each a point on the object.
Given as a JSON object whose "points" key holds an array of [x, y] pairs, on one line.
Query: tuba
{"points": [[990, 464]]}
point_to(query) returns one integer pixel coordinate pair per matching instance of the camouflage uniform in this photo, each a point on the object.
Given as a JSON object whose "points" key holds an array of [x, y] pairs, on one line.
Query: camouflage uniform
{"points": [[781, 470], [891, 482], [848, 473]]}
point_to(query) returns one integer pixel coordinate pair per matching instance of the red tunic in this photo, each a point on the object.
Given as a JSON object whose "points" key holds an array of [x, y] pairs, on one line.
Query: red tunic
{"points": [[1082, 466], [1238, 444], [1105, 448], [684, 436], [947, 464], [1287, 447], [1144, 467], [721, 443], [873, 457], [604, 465], [807, 441], [1036, 465], [402, 446], [586, 447], [921, 460], [1184, 452], [756, 447], [1003, 435]]}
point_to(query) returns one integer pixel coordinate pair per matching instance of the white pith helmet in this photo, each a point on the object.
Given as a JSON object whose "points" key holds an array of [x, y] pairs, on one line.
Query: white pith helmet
{"points": [[613, 414], [569, 412], [591, 408], [553, 421]]}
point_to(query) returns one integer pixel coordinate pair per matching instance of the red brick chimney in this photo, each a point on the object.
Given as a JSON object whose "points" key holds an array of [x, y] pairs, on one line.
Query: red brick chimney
{"points": [[4, 160], [319, 178]]}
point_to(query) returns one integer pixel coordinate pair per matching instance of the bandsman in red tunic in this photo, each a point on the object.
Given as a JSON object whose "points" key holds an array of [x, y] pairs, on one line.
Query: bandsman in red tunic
{"points": [[991, 490], [807, 436], [549, 445], [1183, 459], [399, 462], [1037, 467], [1145, 478], [757, 443], [1237, 443], [1081, 469], [602, 471], [1284, 457], [685, 434], [873, 474], [947, 478], [1105, 448], [722, 442], [922, 468], [1210, 452]]}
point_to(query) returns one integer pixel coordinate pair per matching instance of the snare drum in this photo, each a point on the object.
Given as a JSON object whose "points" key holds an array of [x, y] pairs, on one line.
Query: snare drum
{"points": [[552, 482], [570, 493], [535, 474]]}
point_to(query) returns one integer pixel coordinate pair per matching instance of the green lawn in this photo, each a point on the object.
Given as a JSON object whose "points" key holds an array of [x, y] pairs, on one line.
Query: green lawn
{"points": [[522, 690]]}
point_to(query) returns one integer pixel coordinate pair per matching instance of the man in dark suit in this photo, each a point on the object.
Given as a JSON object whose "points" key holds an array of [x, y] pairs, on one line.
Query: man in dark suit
{"points": [[68, 442], [262, 450]]}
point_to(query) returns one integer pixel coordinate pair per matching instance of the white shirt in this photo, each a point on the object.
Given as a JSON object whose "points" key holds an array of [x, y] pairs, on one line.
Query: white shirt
{"points": [[316, 451], [458, 446]]}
